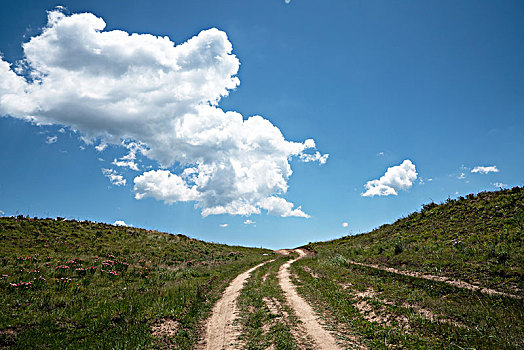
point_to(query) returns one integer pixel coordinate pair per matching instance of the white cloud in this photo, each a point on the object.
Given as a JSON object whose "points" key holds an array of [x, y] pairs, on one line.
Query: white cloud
{"points": [[126, 163], [223, 225], [121, 223], [399, 177], [462, 176], [249, 222], [316, 157], [113, 86], [101, 147], [485, 169], [279, 206], [163, 184], [61, 130], [51, 139], [129, 159], [345, 224], [115, 178], [379, 154], [499, 185]]}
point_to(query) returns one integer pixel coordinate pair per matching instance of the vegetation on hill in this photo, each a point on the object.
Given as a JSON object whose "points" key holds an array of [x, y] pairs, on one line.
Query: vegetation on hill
{"points": [[71, 284], [477, 239]]}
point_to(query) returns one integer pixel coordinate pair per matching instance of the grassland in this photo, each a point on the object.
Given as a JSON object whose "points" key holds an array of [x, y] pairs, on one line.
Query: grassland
{"points": [[70, 284], [477, 239]]}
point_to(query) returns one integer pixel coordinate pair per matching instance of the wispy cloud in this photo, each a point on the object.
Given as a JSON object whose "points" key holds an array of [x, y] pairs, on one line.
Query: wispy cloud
{"points": [[249, 222], [499, 185], [113, 176], [51, 139], [485, 169], [101, 147], [223, 225]]}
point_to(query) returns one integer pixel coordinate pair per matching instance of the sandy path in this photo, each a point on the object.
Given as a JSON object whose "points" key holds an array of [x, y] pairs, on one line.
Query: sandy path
{"points": [[220, 330], [456, 283], [322, 338]]}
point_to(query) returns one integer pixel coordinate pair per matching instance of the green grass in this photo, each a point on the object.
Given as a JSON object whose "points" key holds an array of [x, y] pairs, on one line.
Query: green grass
{"points": [[119, 281], [70, 284], [463, 318], [477, 239]]}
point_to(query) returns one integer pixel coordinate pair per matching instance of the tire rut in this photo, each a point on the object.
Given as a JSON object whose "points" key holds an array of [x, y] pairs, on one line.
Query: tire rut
{"points": [[322, 338], [221, 331]]}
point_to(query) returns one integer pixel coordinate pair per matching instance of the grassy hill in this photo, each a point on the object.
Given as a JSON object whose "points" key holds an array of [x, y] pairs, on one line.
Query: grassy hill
{"points": [[477, 239], [71, 284]]}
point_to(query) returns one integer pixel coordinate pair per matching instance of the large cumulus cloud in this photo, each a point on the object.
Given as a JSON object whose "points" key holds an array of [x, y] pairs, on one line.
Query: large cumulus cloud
{"points": [[140, 89]]}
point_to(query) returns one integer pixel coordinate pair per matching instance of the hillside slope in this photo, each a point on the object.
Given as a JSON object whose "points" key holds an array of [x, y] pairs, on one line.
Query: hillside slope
{"points": [[395, 286], [478, 239], [70, 284]]}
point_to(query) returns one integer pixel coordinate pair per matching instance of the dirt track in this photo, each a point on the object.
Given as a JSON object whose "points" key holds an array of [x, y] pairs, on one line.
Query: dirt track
{"points": [[322, 338], [221, 332], [453, 282]]}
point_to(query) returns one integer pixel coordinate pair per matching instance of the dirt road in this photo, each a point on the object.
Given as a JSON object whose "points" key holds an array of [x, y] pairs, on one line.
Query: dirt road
{"points": [[322, 338], [453, 282], [221, 332]]}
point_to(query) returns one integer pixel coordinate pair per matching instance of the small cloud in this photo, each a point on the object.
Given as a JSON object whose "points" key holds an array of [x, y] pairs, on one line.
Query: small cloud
{"points": [[379, 154], [101, 159], [429, 180], [115, 178], [61, 130], [462, 176], [102, 146], [223, 225], [51, 139], [1, 213], [82, 148], [485, 169], [129, 159], [126, 163], [316, 157], [249, 222], [345, 224], [499, 185], [121, 223], [399, 177], [287, 1]]}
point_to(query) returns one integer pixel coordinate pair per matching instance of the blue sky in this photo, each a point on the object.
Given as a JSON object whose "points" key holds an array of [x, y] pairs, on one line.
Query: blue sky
{"points": [[438, 84]]}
